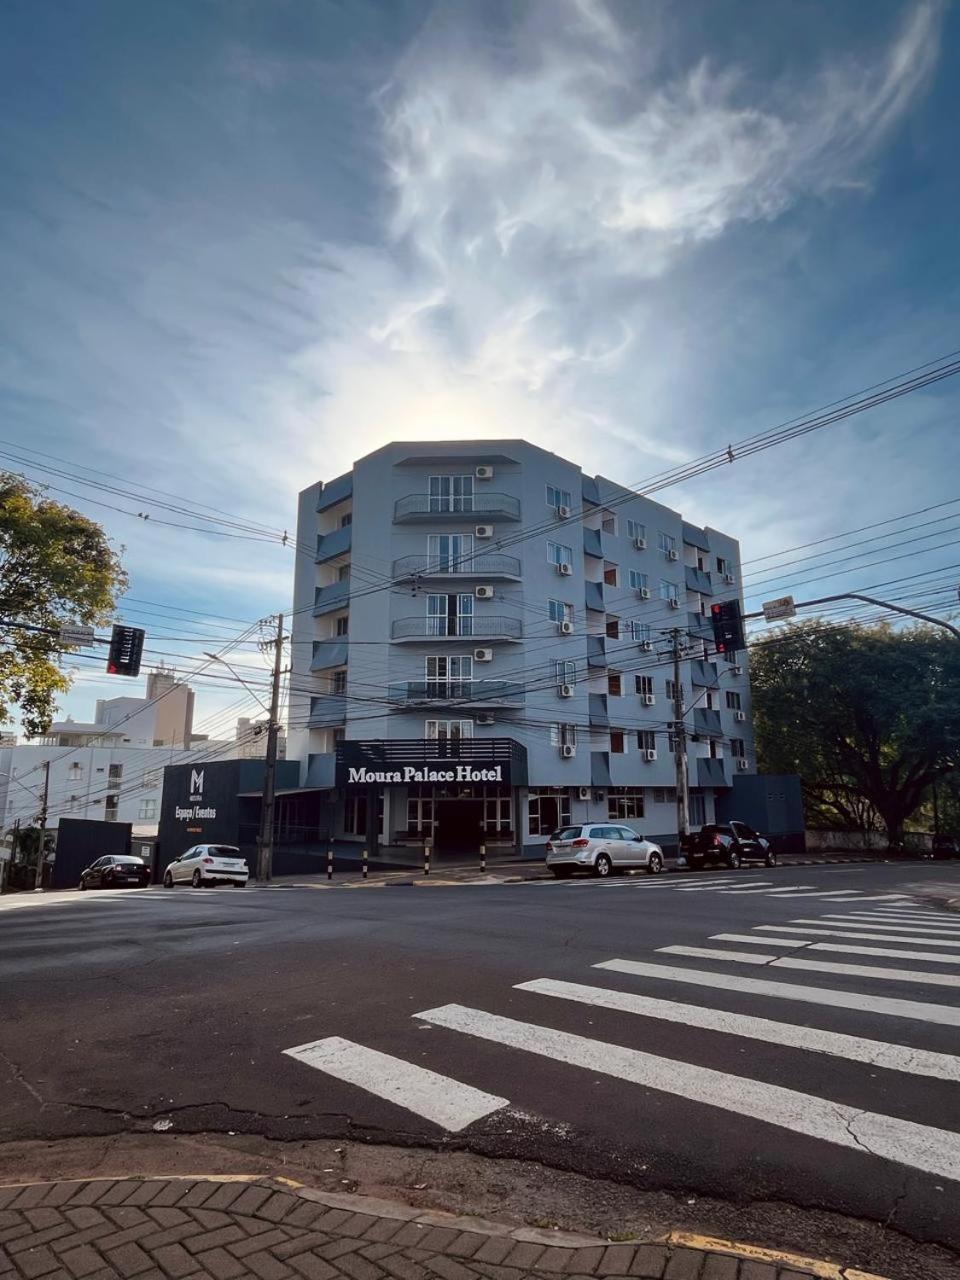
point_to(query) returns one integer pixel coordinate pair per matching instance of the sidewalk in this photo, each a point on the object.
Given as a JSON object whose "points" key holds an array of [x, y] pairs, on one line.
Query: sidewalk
{"points": [[270, 1229]]}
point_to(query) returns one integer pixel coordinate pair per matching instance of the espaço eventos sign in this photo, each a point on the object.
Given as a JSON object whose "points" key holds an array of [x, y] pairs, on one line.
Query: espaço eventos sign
{"points": [[196, 809]]}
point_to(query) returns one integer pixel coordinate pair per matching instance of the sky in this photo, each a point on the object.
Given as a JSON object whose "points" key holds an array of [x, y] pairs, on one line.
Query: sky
{"points": [[245, 241]]}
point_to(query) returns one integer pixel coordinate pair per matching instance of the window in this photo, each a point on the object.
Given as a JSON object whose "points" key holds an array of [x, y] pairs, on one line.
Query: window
{"points": [[640, 631], [559, 553], [338, 681], [611, 574], [449, 552], [738, 749], [566, 671], [618, 742], [711, 701], [447, 730], [609, 524], [450, 615], [664, 795], [723, 565], [624, 803], [420, 814], [111, 807], [644, 686], [638, 580], [451, 493], [497, 814], [671, 689], [115, 773], [733, 700], [563, 735], [698, 808], [700, 563], [346, 520], [338, 734], [355, 815], [449, 677], [147, 810], [614, 684], [342, 624], [716, 751], [613, 628], [343, 572], [646, 740], [548, 810], [560, 611], [669, 590], [75, 771], [666, 542], [558, 497], [150, 779], [635, 529]]}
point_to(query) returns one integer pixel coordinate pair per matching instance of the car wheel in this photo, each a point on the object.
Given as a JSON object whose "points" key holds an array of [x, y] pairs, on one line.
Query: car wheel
{"points": [[733, 860], [654, 864], [695, 864], [82, 884], [239, 884], [603, 867], [167, 880], [771, 858], [197, 880], [562, 873]]}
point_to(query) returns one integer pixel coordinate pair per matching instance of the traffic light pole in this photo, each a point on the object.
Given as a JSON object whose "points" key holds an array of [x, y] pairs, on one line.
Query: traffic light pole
{"points": [[680, 744], [884, 604], [38, 879], [265, 839]]}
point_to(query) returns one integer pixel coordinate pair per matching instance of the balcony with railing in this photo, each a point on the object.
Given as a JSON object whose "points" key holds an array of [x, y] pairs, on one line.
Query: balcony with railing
{"points": [[329, 599], [328, 653], [470, 627], [710, 773], [462, 693], [327, 710], [492, 566], [331, 545], [698, 580], [420, 508]]}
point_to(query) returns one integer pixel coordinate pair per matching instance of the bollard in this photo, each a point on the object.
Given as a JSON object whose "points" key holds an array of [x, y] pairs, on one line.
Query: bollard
{"points": [[329, 864], [483, 859], [426, 857], [364, 860]]}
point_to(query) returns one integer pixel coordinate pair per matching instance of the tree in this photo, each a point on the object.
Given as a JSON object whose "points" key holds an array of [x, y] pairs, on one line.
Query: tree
{"points": [[869, 717], [56, 567]]}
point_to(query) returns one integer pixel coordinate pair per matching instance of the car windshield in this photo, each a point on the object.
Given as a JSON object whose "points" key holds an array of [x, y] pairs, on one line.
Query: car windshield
{"points": [[223, 851], [566, 833], [129, 862]]}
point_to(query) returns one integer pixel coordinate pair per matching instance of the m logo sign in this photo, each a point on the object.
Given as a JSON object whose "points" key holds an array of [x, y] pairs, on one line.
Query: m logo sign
{"points": [[196, 784]]}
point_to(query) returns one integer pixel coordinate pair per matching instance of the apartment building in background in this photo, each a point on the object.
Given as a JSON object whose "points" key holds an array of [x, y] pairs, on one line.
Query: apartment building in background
{"points": [[162, 718], [481, 650], [251, 740]]}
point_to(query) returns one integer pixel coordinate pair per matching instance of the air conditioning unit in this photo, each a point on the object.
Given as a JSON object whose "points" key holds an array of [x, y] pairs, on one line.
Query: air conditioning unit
{"points": [[674, 604], [646, 646], [740, 717], [583, 793], [650, 755], [483, 531], [565, 628], [728, 579], [742, 764], [563, 513], [673, 555], [485, 719], [643, 593], [483, 655], [565, 690], [484, 593], [568, 751], [736, 671], [640, 544], [565, 570], [484, 473], [649, 700]]}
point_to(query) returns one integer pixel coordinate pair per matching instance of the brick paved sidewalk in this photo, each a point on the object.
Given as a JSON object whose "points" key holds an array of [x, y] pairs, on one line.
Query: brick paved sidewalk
{"points": [[165, 1229]]}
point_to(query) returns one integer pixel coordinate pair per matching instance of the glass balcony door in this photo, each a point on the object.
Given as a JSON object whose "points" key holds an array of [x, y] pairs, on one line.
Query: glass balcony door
{"points": [[450, 615], [451, 493]]}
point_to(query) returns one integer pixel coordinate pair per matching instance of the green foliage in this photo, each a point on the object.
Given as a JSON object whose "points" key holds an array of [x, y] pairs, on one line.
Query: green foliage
{"points": [[868, 717], [56, 567]]}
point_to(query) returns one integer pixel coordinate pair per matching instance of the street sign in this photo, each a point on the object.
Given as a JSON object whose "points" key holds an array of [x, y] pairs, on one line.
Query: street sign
{"points": [[71, 633], [778, 610]]}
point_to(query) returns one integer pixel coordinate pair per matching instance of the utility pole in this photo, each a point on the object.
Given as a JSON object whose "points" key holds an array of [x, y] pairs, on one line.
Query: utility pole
{"points": [[38, 882], [265, 840], [680, 743]]}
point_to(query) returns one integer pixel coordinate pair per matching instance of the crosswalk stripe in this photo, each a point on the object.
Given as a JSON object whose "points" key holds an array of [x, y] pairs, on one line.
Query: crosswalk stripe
{"points": [[721, 887], [931, 1150], [817, 966], [435, 1097], [914, 917], [878, 1053], [905, 909], [917, 1010], [765, 942], [845, 895], [870, 922], [851, 949], [856, 934], [876, 897], [768, 890]]}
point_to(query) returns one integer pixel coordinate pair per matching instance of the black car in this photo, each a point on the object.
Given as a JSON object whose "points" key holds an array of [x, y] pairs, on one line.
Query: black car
{"points": [[114, 872], [946, 847], [726, 843]]}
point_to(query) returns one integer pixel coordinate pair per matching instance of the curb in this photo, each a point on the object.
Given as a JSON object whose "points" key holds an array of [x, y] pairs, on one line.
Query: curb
{"points": [[594, 1254]]}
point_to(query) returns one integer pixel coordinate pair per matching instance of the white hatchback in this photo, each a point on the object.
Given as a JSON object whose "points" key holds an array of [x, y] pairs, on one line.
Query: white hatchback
{"points": [[601, 848], [208, 864]]}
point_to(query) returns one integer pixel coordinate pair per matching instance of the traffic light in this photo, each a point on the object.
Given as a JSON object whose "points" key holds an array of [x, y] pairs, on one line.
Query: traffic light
{"points": [[126, 649], [727, 626]]}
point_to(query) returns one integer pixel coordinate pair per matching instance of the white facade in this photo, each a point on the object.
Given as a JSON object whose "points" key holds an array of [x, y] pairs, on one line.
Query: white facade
{"points": [[252, 740], [162, 718]]}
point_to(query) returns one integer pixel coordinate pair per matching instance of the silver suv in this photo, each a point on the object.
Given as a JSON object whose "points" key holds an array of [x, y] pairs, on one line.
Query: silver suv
{"points": [[601, 848]]}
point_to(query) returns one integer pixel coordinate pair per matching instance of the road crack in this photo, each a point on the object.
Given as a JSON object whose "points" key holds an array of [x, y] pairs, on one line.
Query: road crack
{"points": [[19, 1078]]}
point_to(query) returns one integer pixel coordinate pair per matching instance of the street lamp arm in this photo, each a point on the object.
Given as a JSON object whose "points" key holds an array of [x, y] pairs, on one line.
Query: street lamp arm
{"points": [[223, 662], [884, 604]]}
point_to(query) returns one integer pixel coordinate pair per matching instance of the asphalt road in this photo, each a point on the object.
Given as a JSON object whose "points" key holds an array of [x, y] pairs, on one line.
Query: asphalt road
{"points": [[778, 1065]]}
